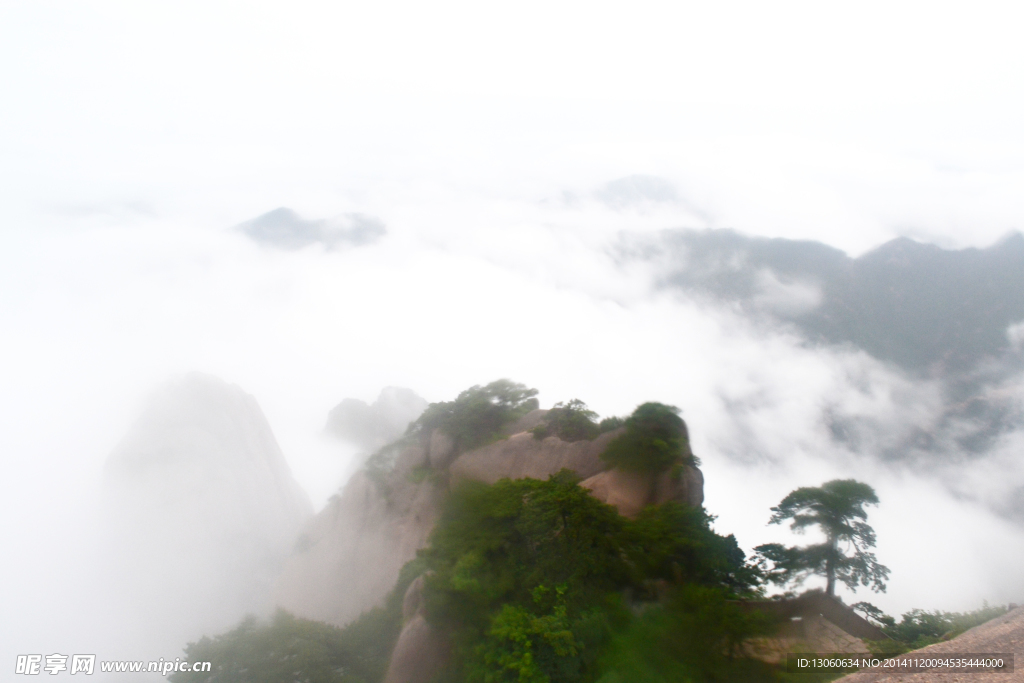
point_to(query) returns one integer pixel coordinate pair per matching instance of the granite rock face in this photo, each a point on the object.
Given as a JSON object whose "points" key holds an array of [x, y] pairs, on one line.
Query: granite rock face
{"points": [[349, 557], [631, 492], [522, 455], [420, 651]]}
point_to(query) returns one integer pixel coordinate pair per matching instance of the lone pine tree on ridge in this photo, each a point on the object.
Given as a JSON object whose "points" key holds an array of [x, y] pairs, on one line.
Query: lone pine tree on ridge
{"points": [[837, 508]]}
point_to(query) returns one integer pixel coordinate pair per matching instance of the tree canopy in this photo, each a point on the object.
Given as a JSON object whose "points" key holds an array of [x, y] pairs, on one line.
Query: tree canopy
{"points": [[837, 509], [288, 648], [571, 421], [655, 439], [478, 413], [527, 577]]}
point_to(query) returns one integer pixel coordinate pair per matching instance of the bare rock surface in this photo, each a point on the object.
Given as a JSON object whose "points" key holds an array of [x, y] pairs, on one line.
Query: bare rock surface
{"points": [[1003, 634], [441, 450], [631, 492], [349, 557], [687, 488], [412, 601], [812, 633], [527, 422], [420, 651], [522, 455]]}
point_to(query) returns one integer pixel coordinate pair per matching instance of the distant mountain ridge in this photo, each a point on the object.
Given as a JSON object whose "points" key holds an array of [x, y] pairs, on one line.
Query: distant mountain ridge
{"points": [[949, 322], [283, 228], [927, 309]]}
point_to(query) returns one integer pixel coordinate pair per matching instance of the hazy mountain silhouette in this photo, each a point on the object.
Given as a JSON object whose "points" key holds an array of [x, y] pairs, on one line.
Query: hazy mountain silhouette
{"points": [[924, 308], [377, 424], [285, 229]]}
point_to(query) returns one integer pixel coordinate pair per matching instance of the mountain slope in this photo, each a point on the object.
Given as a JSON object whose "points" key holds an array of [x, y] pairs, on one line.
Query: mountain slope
{"points": [[200, 508]]}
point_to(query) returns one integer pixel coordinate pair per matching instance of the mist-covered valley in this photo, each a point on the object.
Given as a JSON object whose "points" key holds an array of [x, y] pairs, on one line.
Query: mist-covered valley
{"points": [[229, 274], [182, 509]]}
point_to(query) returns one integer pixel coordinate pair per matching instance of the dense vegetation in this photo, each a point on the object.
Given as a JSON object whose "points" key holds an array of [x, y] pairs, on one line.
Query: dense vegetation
{"points": [[655, 439], [534, 582], [477, 415], [571, 421], [290, 649], [538, 581]]}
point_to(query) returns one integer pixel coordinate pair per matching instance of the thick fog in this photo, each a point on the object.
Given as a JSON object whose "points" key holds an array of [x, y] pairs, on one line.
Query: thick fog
{"points": [[309, 206]]}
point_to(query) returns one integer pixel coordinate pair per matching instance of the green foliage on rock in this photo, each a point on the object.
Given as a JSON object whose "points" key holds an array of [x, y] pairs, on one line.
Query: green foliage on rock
{"points": [[528, 577], [571, 421], [478, 414], [655, 439], [285, 649], [675, 543]]}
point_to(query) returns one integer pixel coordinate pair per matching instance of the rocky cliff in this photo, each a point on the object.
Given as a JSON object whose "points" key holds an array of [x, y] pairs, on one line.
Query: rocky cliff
{"points": [[349, 556]]}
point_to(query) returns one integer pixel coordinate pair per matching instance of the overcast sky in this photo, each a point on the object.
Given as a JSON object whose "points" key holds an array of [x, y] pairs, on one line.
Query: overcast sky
{"points": [[133, 137]]}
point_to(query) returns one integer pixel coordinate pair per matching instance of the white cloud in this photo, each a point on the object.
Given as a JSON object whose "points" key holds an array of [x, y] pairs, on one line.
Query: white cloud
{"points": [[787, 299], [135, 137], [1015, 334]]}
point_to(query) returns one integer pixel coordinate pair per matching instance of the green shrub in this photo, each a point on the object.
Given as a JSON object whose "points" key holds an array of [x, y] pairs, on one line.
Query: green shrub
{"points": [[571, 421], [919, 628], [675, 543], [655, 439], [610, 424], [288, 648], [694, 635], [527, 576], [478, 414]]}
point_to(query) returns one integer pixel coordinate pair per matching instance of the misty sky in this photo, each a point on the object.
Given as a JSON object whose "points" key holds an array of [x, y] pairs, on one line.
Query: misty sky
{"points": [[490, 142]]}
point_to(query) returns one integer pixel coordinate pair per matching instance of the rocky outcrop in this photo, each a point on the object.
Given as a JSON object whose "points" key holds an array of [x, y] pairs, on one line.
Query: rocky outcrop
{"points": [[1003, 634], [812, 622], [441, 449], [522, 455], [808, 633], [349, 557], [532, 419], [420, 651], [631, 492], [200, 509]]}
